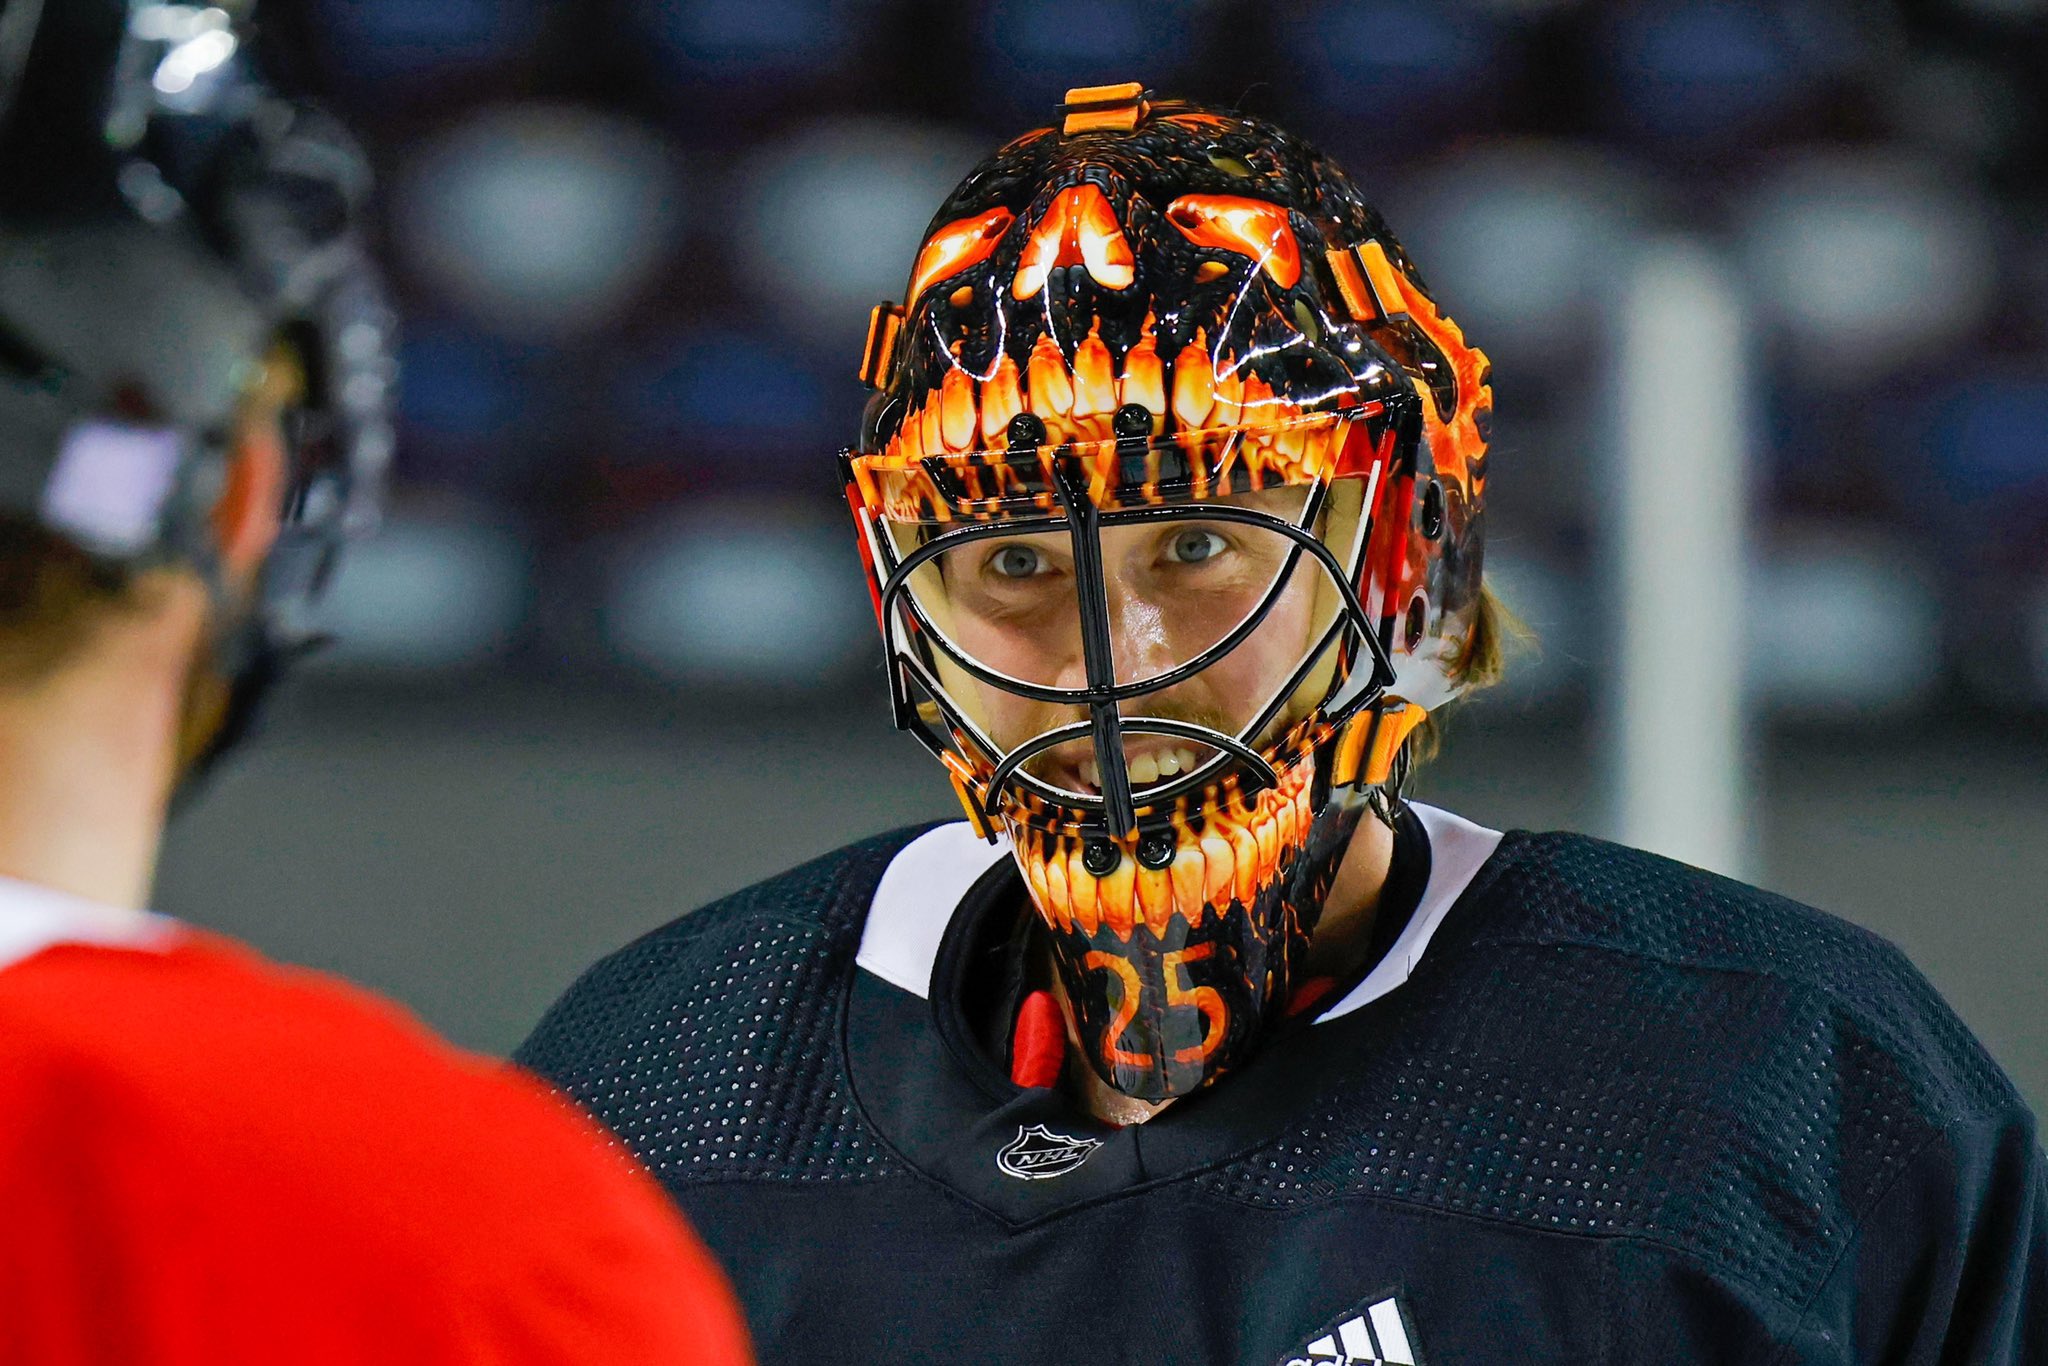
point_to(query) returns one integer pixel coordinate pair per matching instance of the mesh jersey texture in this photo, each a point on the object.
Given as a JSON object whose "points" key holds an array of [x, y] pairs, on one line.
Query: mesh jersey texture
{"points": [[710, 1046], [1600, 1042]]}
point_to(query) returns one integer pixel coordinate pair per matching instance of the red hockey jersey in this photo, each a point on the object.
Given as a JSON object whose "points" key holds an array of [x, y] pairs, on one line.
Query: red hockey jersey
{"points": [[207, 1158]]}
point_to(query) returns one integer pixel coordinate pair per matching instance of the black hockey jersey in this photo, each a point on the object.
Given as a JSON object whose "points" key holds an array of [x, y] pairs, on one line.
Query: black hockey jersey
{"points": [[1590, 1106]]}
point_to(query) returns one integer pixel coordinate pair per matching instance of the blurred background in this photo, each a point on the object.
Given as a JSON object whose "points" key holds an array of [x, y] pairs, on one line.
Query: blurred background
{"points": [[612, 656]]}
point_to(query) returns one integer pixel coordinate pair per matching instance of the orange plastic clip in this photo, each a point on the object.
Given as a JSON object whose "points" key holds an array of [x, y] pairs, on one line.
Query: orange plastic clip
{"points": [[1396, 722], [963, 788], [1383, 280], [1350, 280], [1104, 106], [878, 357], [1351, 749], [1366, 749]]}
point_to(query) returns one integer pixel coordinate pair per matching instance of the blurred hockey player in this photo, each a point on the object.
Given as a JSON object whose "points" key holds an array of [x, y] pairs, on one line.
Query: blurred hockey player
{"points": [[206, 1158]]}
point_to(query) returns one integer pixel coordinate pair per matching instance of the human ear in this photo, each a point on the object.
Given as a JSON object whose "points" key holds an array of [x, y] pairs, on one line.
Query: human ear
{"points": [[247, 513], [249, 510]]}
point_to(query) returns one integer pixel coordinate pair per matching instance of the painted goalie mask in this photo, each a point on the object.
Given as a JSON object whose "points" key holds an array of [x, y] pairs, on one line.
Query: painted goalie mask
{"points": [[1169, 494]]}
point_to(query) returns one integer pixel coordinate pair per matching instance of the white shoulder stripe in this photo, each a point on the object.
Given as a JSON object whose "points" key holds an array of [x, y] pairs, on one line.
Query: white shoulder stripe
{"points": [[1457, 851], [34, 918], [923, 886], [919, 891]]}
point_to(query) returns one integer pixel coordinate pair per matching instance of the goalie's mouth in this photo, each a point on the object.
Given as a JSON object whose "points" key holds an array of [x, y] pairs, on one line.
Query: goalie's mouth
{"points": [[1151, 762], [1226, 853]]}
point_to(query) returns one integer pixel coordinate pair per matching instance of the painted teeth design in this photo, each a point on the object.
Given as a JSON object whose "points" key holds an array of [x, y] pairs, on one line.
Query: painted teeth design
{"points": [[1077, 399], [1238, 848]]}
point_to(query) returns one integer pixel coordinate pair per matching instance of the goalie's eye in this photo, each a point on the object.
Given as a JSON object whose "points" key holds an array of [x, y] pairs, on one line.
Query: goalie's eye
{"points": [[1016, 562], [1194, 545]]}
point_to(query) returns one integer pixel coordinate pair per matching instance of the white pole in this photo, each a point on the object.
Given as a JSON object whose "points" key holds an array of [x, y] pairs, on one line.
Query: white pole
{"points": [[1677, 754]]}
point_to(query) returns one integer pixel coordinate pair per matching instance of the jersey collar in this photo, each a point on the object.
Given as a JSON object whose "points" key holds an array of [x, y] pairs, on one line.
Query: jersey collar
{"points": [[930, 877], [946, 1108]]}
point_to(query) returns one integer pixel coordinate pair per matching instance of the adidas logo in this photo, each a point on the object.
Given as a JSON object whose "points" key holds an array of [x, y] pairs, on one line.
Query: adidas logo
{"points": [[1376, 1337]]}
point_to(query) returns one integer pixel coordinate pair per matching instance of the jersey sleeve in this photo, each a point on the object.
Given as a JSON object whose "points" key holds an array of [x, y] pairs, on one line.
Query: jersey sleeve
{"points": [[1952, 1264], [209, 1159]]}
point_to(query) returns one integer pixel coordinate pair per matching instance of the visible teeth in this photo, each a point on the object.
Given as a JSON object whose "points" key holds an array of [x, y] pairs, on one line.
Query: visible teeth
{"points": [[1185, 758], [1188, 874], [1229, 399], [1155, 898], [1034, 873], [1169, 763], [956, 410], [1113, 897], [1052, 390], [1145, 769], [1245, 850], [1091, 774], [1081, 887], [1194, 387], [1143, 380], [1056, 894], [1315, 448], [1000, 401], [1094, 378], [1258, 454], [1218, 863]]}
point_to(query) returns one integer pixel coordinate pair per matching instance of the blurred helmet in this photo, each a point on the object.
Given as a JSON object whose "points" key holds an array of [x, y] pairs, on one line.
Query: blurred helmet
{"points": [[166, 222], [1170, 494]]}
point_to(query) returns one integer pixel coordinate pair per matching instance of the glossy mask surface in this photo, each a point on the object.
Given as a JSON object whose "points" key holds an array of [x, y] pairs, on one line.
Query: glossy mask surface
{"points": [[1177, 944], [1172, 473]]}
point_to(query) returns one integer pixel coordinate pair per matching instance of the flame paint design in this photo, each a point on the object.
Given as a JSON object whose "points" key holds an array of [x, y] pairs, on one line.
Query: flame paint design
{"points": [[1080, 226], [957, 246], [1174, 973], [1180, 266], [1234, 846], [1250, 227], [1213, 454]]}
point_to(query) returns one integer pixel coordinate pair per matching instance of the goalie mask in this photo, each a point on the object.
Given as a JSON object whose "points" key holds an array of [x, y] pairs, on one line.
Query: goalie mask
{"points": [[1170, 499]]}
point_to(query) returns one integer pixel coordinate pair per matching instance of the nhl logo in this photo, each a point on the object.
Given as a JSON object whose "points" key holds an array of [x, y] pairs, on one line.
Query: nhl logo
{"points": [[1039, 1154]]}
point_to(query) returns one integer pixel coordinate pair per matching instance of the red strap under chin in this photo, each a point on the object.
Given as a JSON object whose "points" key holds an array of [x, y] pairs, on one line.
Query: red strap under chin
{"points": [[1310, 994], [1038, 1045]]}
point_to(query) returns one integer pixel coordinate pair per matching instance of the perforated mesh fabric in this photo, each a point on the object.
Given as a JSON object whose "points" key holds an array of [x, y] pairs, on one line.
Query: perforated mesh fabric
{"points": [[710, 1046], [1599, 1042], [1629, 1046]]}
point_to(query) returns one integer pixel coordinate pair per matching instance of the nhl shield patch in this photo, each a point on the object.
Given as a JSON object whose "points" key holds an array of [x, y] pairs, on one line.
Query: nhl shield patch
{"points": [[1377, 1333], [1039, 1154]]}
